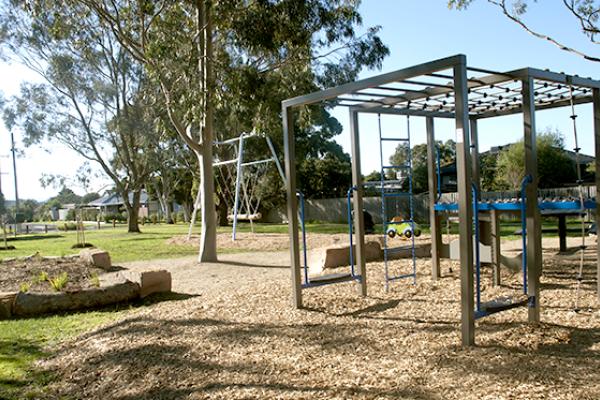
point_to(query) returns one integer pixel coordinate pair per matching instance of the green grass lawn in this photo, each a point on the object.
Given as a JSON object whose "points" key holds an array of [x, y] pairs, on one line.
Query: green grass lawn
{"points": [[150, 244], [24, 341]]}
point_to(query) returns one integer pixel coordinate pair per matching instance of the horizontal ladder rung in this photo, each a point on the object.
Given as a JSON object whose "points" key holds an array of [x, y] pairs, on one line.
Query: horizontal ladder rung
{"points": [[400, 249], [404, 166], [397, 194], [395, 278], [407, 221], [391, 139]]}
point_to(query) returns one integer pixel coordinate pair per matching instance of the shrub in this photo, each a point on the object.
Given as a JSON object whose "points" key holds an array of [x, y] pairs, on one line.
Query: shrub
{"points": [[95, 280], [67, 226], [59, 282], [71, 215], [24, 287], [108, 218], [154, 218], [42, 277]]}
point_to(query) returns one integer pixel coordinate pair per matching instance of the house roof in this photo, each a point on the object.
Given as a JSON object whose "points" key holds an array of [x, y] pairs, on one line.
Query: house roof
{"points": [[114, 199]]}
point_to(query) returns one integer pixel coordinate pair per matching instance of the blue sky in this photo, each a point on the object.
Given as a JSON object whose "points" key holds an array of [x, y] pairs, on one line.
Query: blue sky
{"points": [[415, 32]]}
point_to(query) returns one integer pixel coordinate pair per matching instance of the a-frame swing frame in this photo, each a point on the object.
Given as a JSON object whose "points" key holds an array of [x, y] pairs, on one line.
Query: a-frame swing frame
{"points": [[241, 163]]}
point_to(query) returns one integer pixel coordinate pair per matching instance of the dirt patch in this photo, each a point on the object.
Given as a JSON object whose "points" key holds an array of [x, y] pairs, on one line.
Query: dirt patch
{"points": [[241, 339], [32, 274], [280, 241]]}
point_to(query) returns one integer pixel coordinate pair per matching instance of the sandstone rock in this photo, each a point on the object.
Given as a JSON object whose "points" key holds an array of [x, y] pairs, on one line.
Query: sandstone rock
{"points": [[96, 257], [150, 281], [336, 256], [6, 304], [41, 303]]}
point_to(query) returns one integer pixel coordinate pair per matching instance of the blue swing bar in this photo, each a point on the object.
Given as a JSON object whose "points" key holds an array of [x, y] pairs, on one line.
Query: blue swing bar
{"points": [[321, 280], [502, 304]]}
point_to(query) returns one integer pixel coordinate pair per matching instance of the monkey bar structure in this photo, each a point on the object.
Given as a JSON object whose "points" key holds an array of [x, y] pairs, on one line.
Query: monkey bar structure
{"points": [[449, 88]]}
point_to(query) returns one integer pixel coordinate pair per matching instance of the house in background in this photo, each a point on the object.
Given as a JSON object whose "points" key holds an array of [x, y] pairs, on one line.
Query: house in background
{"points": [[112, 203]]}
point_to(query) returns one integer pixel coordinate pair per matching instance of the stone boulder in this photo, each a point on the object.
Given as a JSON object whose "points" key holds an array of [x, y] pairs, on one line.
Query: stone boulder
{"points": [[7, 300], [339, 255], [150, 281], [96, 257]]}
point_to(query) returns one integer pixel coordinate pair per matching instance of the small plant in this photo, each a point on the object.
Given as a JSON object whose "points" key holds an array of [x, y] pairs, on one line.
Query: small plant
{"points": [[95, 280], [24, 287], [59, 282], [42, 277]]}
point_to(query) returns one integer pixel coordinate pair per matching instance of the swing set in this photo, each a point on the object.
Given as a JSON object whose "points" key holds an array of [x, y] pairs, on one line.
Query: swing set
{"points": [[242, 179]]}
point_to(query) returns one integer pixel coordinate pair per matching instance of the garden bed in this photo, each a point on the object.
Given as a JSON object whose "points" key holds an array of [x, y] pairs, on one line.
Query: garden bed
{"points": [[36, 274]]}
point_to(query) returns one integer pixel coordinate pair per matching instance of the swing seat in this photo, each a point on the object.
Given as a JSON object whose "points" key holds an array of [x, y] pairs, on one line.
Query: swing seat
{"points": [[331, 278], [246, 217], [503, 304]]}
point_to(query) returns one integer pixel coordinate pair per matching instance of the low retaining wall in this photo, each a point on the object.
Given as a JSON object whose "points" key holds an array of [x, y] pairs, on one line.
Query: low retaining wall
{"points": [[118, 290]]}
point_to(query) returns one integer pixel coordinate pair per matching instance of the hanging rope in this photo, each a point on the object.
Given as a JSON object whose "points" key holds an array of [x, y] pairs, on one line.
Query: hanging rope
{"points": [[581, 199]]}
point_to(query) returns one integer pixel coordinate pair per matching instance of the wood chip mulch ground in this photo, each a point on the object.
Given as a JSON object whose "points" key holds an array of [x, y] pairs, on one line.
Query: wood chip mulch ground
{"points": [[244, 341]]}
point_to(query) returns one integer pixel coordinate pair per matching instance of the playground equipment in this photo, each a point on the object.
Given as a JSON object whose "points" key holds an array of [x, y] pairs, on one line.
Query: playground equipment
{"points": [[245, 176], [404, 229], [322, 280], [449, 88], [391, 189]]}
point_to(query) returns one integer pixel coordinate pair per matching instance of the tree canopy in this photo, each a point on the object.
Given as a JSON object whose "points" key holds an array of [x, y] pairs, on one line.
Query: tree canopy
{"points": [[555, 167]]}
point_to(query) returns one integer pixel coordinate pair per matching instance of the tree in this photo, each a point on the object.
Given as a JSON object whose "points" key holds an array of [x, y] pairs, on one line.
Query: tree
{"points": [[446, 152], [204, 52], [92, 100], [2, 205], [555, 168], [585, 12]]}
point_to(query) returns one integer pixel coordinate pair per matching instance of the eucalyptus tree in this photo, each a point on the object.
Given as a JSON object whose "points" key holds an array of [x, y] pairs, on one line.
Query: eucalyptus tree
{"points": [[204, 52], [92, 96]]}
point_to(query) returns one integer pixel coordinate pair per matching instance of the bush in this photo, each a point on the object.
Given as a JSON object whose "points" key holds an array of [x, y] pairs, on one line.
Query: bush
{"points": [[108, 218], [180, 216], [153, 218], [71, 215], [42, 277], [67, 226], [24, 287], [95, 280], [59, 282]]}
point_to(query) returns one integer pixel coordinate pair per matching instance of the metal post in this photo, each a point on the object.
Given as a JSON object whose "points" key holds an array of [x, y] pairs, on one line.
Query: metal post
{"points": [[434, 221], [465, 211], [238, 180], [534, 232], [496, 257], [292, 205], [275, 158], [475, 156], [596, 100], [359, 223]]}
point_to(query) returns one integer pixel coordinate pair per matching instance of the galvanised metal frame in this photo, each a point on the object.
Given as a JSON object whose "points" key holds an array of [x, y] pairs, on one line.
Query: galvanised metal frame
{"points": [[447, 88]]}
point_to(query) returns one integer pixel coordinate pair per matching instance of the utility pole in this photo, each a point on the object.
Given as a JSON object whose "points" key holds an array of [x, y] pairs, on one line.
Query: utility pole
{"points": [[14, 159]]}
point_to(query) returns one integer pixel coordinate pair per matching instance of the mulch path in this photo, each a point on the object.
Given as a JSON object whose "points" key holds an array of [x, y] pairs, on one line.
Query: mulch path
{"points": [[28, 270], [239, 338]]}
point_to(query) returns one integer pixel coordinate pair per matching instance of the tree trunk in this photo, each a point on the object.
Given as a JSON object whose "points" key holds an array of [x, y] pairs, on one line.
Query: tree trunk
{"points": [[186, 211], [194, 213], [208, 235], [168, 211], [133, 209], [223, 211]]}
